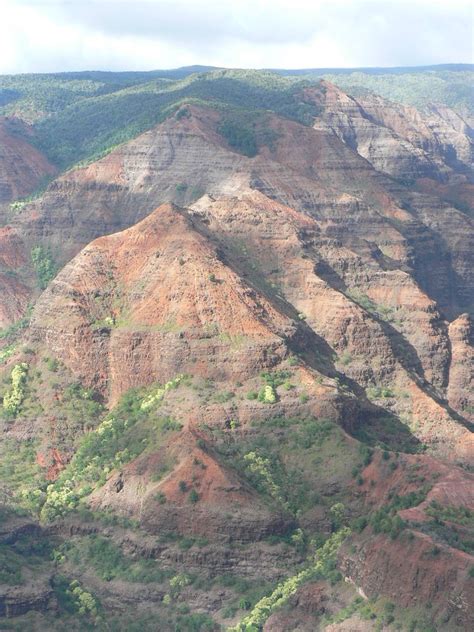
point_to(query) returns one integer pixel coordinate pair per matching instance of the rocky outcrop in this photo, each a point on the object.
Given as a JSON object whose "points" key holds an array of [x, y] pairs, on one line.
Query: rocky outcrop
{"points": [[381, 328], [18, 600]]}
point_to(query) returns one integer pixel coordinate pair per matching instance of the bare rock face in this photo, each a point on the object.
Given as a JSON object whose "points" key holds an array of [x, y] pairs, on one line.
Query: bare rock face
{"points": [[379, 325], [35, 592], [16, 601], [397, 139], [173, 294], [22, 166], [176, 161]]}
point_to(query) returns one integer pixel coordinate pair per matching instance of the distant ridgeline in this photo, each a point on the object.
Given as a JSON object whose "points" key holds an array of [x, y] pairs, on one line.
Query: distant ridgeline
{"points": [[80, 116]]}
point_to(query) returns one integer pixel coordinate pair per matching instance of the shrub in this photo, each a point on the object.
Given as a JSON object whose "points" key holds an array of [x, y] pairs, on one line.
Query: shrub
{"points": [[160, 497], [14, 397], [267, 395], [244, 604], [345, 358], [259, 467], [179, 581], [359, 524], [52, 364], [44, 265], [193, 496], [337, 513], [224, 397]]}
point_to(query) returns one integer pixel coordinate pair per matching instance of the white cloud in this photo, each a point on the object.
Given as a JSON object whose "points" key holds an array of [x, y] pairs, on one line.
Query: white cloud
{"points": [[54, 35]]}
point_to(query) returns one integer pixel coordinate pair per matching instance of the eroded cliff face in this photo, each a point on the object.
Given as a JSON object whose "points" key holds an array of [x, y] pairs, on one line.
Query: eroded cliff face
{"points": [[310, 170], [155, 301], [313, 303], [397, 139], [182, 288]]}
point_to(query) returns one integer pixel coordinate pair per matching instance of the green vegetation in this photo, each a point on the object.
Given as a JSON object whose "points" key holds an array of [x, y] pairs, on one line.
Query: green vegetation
{"points": [[267, 394], [345, 358], [77, 119], [452, 525], [158, 393], [108, 561], [450, 513], [193, 496], [27, 552], [292, 465], [13, 398], [7, 352], [376, 392], [81, 116], [273, 379], [20, 472], [320, 565], [125, 433], [224, 397], [259, 468], [44, 265], [386, 519], [10, 332], [411, 87], [239, 137], [74, 599]]}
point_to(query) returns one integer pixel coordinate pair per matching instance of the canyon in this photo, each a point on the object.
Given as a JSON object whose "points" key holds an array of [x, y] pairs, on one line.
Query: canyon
{"points": [[237, 368]]}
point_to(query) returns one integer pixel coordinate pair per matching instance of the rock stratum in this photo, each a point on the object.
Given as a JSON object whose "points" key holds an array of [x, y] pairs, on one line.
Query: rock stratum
{"points": [[237, 361]]}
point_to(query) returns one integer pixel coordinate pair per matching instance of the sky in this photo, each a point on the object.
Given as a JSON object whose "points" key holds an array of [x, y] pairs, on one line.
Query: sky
{"points": [[67, 35]]}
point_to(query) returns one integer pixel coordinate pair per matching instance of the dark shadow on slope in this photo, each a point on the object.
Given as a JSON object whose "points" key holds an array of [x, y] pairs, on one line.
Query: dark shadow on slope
{"points": [[404, 351], [365, 421], [432, 265]]}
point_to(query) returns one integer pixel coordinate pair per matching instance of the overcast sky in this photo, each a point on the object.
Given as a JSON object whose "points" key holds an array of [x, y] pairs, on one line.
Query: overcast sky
{"points": [[59, 35]]}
